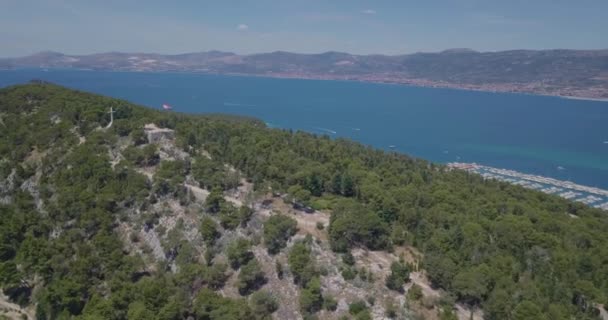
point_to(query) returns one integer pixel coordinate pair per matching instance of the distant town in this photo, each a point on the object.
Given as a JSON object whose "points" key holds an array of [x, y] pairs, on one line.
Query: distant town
{"points": [[565, 73], [538, 88]]}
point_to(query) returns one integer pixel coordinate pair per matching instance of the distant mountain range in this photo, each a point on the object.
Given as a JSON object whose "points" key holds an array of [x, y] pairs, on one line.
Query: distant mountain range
{"points": [[577, 73]]}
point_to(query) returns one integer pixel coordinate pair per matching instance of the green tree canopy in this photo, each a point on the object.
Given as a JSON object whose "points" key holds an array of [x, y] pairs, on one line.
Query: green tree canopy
{"points": [[277, 230]]}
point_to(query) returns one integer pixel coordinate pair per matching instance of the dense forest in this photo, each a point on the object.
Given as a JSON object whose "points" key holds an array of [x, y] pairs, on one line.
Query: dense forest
{"points": [[65, 198]]}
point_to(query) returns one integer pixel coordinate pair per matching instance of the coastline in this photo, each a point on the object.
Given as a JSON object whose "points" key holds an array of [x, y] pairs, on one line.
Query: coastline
{"points": [[403, 95], [407, 82], [421, 83], [584, 98]]}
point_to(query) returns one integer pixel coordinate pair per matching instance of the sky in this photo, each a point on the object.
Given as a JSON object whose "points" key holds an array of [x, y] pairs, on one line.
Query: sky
{"points": [[306, 26]]}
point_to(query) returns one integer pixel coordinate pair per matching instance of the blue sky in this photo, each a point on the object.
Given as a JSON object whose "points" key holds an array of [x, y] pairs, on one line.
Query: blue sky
{"points": [[357, 26]]}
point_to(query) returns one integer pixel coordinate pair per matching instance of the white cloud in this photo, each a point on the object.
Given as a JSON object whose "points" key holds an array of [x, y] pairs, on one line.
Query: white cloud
{"points": [[369, 11], [242, 27]]}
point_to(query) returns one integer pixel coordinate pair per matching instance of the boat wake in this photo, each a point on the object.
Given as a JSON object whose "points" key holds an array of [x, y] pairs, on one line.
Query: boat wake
{"points": [[234, 104], [326, 130]]}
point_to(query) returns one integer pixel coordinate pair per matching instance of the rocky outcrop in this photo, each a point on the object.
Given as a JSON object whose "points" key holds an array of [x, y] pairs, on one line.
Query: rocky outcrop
{"points": [[6, 186], [157, 135]]}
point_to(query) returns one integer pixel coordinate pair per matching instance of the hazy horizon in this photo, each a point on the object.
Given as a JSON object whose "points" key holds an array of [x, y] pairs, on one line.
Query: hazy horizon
{"points": [[358, 27], [295, 52]]}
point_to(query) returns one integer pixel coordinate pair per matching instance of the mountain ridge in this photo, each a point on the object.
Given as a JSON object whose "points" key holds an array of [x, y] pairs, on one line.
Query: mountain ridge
{"points": [[556, 72]]}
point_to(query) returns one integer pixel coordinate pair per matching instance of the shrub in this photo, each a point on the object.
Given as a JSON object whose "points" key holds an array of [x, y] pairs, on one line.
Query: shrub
{"points": [[209, 230], [277, 230], [263, 304], [229, 216], [245, 214], [364, 315], [428, 302], [279, 269], [329, 303], [250, 278], [238, 253], [134, 237], [214, 201], [215, 276], [311, 299], [447, 314], [210, 305], [357, 307], [390, 309], [138, 136], [348, 273], [415, 293], [400, 274], [348, 259], [301, 263]]}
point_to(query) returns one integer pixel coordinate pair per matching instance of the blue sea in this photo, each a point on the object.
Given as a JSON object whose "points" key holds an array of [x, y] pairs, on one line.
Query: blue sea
{"points": [[555, 137]]}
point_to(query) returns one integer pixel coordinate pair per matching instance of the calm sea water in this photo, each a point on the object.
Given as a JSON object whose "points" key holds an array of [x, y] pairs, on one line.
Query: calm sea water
{"points": [[559, 138]]}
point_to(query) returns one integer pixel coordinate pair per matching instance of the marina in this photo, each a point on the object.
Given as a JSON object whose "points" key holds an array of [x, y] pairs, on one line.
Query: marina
{"points": [[590, 196]]}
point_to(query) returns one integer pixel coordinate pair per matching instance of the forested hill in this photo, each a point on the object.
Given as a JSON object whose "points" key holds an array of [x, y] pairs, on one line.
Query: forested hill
{"points": [[163, 215]]}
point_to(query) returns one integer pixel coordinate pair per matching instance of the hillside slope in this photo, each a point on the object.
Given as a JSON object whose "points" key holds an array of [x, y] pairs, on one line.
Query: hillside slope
{"points": [[172, 216]]}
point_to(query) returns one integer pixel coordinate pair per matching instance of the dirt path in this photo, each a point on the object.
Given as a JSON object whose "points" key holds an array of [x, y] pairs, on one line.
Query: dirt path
{"points": [[307, 222], [603, 312], [14, 311], [464, 313], [147, 171], [199, 193], [420, 279]]}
